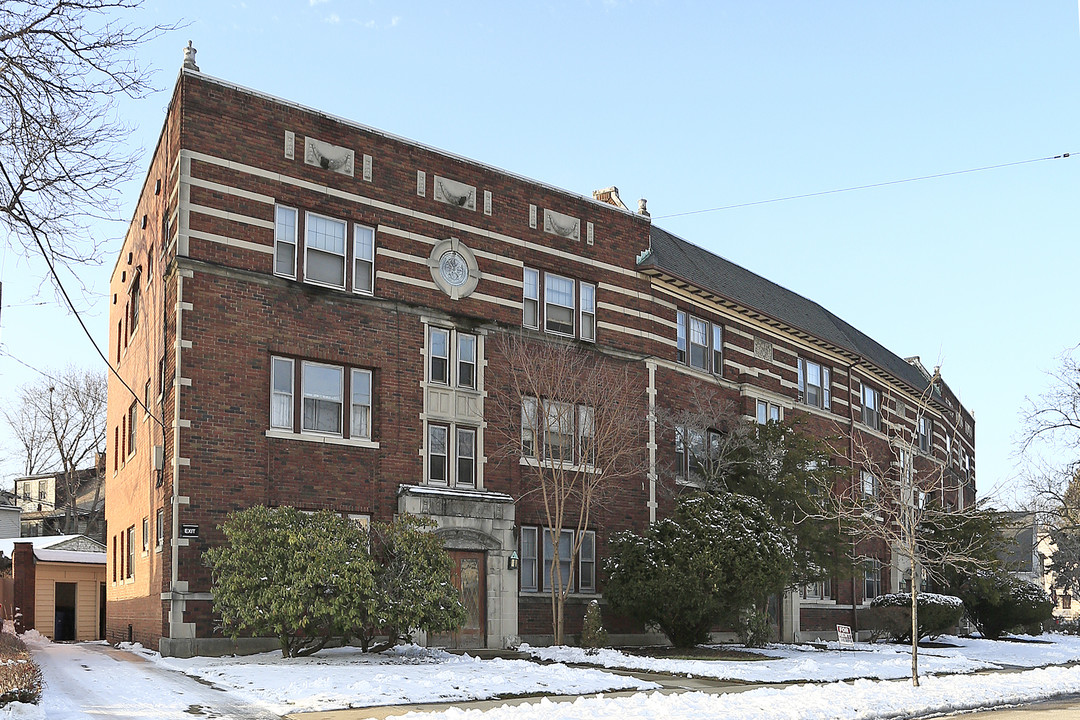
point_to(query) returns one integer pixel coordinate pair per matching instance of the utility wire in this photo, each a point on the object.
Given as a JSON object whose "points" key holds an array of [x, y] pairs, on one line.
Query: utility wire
{"points": [[67, 298], [863, 187]]}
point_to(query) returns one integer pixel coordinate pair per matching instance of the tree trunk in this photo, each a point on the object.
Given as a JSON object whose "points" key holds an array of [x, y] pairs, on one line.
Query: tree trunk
{"points": [[914, 628]]}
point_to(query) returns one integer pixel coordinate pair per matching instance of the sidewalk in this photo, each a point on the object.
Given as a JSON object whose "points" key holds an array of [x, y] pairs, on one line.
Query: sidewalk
{"points": [[670, 685]]}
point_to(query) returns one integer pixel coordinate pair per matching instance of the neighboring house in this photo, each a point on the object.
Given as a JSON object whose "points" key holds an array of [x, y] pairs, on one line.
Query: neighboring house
{"points": [[1066, 605], [306, 310], [10, 525], [43, 499], [1024, 559], [57, 586]]}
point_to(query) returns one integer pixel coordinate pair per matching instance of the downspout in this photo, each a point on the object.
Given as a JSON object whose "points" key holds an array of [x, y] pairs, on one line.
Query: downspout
{"points": [[851, 462]]}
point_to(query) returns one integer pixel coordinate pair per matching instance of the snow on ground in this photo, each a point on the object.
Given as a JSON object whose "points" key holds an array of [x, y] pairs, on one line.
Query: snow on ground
{"points": [[90, 680], [794, 663], [861, 700], [346, 677]]}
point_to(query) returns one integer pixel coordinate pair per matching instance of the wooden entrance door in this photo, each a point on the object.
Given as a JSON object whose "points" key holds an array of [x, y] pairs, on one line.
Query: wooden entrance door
{"points": [[469, 574], [64, 625]]}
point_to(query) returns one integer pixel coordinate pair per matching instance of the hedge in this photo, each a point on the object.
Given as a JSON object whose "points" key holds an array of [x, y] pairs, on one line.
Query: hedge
{"points": [[891, 615], [20, 677]]}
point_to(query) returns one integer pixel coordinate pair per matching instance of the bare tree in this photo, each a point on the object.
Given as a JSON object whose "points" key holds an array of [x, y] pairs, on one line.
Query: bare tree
{"points": [[63, 66], [888, 502], [31, 432], [573, 419], [68, 412]]}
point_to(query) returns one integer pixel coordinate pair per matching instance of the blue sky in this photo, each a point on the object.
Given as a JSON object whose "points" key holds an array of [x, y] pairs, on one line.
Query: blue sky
{"points": [[702, 105]]}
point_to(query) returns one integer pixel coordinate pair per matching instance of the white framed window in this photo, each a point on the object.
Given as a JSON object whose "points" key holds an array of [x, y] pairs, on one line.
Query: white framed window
{"points": [[438, 454], [699, 343], [587, 321], [530, 423], [281, 393], [869, 483], [680, 337], [531, 299], [871, 407], [439, 354], [466, 457], [587, 562], [146, 534], [926, 433], [363, 259], [814, 384], [528, 552], [560, 555], [558, 304], [285, 241], [466, 361], [718, 348], [361, 404], [818, 590], [871, 579], [586, 435], [690, 453], [159, 529], [132, 418], [129, 571], [134, 304], [322, 392], [324, 251], [559, 431], [768, 412]]}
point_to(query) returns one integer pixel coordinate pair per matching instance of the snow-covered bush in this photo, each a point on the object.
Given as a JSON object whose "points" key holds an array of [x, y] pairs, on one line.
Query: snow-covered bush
{"points": [[20, 677], [717, 556], [891, 615], [1005, 603], [307, 579]]}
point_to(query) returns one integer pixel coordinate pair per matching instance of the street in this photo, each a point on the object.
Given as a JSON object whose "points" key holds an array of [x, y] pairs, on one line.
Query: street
{"points": [[1064, 709]]}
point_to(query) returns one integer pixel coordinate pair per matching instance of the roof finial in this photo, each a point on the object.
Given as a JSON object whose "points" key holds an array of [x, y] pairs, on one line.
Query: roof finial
{"points": [[189, 58], [641, 209]]}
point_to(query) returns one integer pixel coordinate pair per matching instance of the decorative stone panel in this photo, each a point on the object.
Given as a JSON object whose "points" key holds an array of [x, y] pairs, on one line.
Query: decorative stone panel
{"points": [[589, 233], [290, 145], [532, 216], [367, 168], [763, 350], [421, 183], [329, 157], [456, 193], [555, 223], [487, 202]]}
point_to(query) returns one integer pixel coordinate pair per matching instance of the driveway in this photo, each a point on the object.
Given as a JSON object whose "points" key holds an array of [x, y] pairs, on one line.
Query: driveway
{"points": [[92, 680]]}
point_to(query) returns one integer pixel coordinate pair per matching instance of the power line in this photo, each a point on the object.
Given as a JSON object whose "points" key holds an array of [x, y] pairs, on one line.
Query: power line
{"points": [[74, 310], [864, 187]]}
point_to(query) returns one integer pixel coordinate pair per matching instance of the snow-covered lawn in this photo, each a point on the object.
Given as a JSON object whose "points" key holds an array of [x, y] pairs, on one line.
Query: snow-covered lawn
{"points": [[794, 663], [346, 677], [861, 700]]}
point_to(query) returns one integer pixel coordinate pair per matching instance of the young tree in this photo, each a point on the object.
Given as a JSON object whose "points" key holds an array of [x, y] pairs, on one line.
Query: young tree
{"points": [[303, 579], [888, 503], [66, 413], [62, 143], [575, 420]]}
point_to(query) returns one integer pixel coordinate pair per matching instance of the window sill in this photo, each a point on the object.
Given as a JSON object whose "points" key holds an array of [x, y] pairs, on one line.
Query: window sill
{"points": [[316, 283], [324, 439], [546, 595], [553, 465]]}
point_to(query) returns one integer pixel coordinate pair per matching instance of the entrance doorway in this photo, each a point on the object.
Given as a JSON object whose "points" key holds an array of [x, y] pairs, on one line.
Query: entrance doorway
{"points": [[469, 574], [64, 625], [101, 614]]}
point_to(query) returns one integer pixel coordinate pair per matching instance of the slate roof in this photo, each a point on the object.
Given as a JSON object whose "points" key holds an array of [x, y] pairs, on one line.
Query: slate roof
{"points": [[684, 260]]}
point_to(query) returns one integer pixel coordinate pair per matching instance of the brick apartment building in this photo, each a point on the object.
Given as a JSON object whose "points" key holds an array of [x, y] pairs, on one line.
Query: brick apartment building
{"points": [[305, 305]]}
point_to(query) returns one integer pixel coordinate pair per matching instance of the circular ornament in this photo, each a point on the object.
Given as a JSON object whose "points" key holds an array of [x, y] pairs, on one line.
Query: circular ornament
{"points": [[453, 268]]}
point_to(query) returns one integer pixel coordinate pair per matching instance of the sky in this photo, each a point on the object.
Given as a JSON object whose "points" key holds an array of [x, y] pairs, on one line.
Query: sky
{"points": [[695, 106]]}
